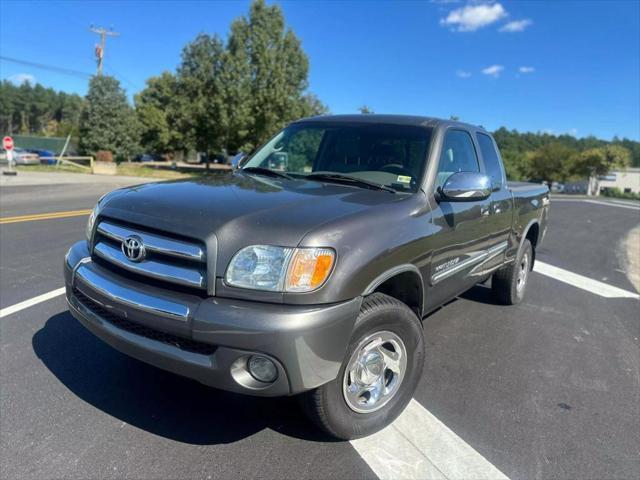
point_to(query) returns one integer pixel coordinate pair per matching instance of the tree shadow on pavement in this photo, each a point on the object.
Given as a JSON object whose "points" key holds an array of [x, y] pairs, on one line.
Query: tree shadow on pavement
{"points": [[157, 401]]}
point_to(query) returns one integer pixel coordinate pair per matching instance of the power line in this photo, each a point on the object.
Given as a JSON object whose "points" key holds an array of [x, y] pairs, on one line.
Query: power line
{"points": [[116, 74], [51, 68], [103, 32]]}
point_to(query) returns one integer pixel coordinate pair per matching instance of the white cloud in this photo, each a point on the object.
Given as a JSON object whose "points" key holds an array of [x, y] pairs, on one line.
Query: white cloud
{"points": [[472, 17], [573, 132], [493, 71], [463, 74], [20, 78], [516, 26], [526, 69]]}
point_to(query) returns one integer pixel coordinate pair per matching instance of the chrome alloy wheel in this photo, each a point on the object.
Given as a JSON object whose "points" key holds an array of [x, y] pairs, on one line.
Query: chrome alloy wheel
{"points": [[374, 372], [523, 273]]}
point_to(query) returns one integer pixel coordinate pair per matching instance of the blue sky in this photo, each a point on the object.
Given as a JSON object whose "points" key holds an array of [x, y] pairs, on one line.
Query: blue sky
{"points": [[557, 66]]}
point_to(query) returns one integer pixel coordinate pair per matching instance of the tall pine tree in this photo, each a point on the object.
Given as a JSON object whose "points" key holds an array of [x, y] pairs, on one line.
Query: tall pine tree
{"points": [[107, 121]]}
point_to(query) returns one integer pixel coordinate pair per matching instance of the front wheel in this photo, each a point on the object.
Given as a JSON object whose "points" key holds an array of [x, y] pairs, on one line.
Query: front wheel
{"points": [[379, 375]]}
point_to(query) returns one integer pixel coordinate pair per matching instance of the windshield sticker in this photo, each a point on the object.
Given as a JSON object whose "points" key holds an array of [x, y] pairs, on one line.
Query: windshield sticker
{"points": [[404, 179]]}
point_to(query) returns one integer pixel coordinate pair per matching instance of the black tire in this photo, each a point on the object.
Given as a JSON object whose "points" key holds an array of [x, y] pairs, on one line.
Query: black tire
{"points": [[327, 406], [509, 283]]}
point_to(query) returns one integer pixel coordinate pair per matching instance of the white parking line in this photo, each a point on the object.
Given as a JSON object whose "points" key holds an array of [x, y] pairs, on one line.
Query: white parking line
{"points": [[610, 203], [419, 446], [585, 283], [32, 301], [625, 202]]}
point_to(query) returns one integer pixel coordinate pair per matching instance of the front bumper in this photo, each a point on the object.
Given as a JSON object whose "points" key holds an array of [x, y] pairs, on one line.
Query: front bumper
{"points": [[209, 339]]}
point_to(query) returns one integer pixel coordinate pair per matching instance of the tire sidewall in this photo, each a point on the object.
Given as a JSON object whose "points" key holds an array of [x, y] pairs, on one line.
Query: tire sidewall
{"points": [[400, 320], [526, 249]]}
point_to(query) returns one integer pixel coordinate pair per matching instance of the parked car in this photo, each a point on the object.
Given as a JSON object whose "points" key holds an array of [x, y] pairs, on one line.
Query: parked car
{"points": [[25, 157], [310, 279], [146, 157], [47, 157]]}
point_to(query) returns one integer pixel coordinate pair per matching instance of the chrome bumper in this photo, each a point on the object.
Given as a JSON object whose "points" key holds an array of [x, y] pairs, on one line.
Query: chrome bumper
{"points": [[307, 343]]}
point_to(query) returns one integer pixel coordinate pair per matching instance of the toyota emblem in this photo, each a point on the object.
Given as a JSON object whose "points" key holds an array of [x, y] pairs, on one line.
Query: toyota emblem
{"points": [[133, 248]]}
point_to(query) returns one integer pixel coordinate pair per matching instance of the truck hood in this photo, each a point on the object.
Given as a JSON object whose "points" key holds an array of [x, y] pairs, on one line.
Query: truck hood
{"points": [[241, 209]]}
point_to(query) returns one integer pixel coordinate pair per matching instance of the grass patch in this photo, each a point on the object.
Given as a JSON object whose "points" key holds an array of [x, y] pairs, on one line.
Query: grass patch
{"points": [[156, 171], [134, 170], [62, 168], [128, 169]]}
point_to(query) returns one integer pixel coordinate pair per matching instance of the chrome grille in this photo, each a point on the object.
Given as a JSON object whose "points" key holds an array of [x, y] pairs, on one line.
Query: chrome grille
{"points": [[168, 260]]}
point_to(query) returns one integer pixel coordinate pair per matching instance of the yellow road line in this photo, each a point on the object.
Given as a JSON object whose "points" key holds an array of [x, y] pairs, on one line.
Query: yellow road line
{"points": [[44, 216]]}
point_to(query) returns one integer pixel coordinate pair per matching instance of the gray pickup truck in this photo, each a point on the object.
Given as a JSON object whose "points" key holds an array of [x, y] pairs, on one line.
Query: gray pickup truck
{"points": [[309, 268]]}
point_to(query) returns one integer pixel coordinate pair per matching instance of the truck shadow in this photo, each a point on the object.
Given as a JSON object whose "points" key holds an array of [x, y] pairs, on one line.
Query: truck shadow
{"points": [[480, 294], [157, 401]]}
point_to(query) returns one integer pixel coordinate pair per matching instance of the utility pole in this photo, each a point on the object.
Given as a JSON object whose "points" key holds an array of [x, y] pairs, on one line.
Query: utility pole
{"points": [[103, 32]]}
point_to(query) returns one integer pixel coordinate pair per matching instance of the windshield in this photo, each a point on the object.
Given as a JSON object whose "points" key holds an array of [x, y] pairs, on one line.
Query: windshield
{"points": [[388, 155]]}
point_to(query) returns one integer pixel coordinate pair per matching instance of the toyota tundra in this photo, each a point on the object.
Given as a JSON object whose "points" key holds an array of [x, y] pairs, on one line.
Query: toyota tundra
{"points": [[308, 269]]}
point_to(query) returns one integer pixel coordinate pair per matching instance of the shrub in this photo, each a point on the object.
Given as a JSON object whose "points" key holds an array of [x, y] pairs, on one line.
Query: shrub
{"points": [[104, 156], [617, 193]]}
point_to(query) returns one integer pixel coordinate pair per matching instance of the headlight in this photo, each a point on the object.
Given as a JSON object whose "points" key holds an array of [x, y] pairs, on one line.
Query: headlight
{"points": [[280, 269], [260, 267], [91, 221]]}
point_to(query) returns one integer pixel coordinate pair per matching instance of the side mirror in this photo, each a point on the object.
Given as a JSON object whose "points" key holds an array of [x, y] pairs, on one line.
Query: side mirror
{"points": [[236, 160], [466, 187]]}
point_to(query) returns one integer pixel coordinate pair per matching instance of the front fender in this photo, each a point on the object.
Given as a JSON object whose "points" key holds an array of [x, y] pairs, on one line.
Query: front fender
{"points": [[372, 248]]}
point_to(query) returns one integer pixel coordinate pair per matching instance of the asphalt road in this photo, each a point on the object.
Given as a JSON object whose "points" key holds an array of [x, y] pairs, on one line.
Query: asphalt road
{"points": [[546, 389]]}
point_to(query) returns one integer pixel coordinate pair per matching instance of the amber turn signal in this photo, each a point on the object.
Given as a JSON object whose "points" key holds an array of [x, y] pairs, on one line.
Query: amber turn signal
{"points": [[309, 268]]}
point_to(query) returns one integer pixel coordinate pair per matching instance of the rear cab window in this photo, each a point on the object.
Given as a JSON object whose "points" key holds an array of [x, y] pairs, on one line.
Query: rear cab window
{"points": [[491, 159]]}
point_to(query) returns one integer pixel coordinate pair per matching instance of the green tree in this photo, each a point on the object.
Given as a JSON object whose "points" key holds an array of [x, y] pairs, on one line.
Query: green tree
{"points": [[201, 107], [68, 115], [273, 71], [599, 161], [36, 110], [157, 114], [365, 110], [108, 122], [234, 96], [515, 164], [550, 162]]}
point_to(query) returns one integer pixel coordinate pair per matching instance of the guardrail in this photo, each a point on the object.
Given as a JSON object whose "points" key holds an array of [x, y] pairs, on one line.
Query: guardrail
{"points": [[75, 162]]}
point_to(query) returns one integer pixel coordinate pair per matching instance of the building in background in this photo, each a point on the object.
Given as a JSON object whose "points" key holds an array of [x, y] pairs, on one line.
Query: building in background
{"points": [[628, 181]]}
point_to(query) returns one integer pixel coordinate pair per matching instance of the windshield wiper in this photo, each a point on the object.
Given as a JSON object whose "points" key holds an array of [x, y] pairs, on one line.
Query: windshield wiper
{"points": [[266, 171], [340, 178]]}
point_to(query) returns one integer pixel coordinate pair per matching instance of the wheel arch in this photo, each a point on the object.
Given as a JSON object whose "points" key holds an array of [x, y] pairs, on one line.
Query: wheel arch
{"points": [[404, 283], [531, 233]]}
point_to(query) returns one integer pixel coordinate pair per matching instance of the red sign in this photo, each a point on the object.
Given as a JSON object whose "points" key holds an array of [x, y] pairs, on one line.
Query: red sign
{"points": [[7, 143]]}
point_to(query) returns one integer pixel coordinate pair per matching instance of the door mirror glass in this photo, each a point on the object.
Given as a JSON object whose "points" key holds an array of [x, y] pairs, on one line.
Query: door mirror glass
{"points": [[236, 160], [466, 187]]}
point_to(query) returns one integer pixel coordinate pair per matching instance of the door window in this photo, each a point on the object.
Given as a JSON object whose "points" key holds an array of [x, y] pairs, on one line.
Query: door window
{"points": [[458, 155]]}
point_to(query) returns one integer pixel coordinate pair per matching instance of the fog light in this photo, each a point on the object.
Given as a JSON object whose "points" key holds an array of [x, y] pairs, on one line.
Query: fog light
{"points": [[262, 369]]}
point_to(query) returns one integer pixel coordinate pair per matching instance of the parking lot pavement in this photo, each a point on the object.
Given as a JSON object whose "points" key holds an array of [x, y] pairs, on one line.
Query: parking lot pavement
{"points": [[549, 388]]}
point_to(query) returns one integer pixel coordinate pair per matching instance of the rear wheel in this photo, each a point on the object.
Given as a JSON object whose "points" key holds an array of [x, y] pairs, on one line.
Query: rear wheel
{"points": [[379, 375], [510, 282]]}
